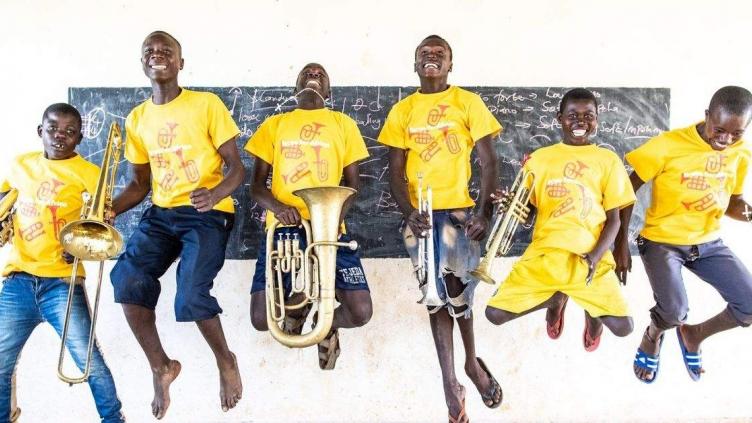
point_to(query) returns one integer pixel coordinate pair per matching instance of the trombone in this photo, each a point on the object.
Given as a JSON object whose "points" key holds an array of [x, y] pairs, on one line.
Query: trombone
{"points": [[426, 267], [91, 238], [506, 223]]}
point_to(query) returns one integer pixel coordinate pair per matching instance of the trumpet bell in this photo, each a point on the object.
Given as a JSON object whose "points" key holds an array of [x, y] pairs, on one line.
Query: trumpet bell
{"points": [[90, 239], [482, 275]]}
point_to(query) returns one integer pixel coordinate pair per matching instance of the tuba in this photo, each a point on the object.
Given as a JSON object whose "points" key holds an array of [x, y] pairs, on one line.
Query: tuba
{"points": [[426, 267], [91, 238], [312, 270], [506, 223], [6, 216]]}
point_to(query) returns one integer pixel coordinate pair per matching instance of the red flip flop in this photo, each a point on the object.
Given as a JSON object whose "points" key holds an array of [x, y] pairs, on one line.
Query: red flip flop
{"points": [[550, 329], [586, 340]]}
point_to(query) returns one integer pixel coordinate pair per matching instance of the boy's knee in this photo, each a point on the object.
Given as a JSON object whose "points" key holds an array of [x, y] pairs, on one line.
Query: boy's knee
{"points": [[497, 316], [623, 326], [361, 313]]}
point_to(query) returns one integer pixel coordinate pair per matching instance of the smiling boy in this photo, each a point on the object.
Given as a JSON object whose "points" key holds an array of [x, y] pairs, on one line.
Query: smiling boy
{"points": [[578, 190]]}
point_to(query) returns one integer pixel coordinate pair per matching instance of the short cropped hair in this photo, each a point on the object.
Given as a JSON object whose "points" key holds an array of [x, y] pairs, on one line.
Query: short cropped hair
{"points": [[732, 99], [434, 37], [577, 94], [168, 35], [62, 108]]}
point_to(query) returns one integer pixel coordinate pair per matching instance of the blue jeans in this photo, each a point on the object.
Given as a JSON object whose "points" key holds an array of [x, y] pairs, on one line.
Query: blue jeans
{"points": [[25, 302]]}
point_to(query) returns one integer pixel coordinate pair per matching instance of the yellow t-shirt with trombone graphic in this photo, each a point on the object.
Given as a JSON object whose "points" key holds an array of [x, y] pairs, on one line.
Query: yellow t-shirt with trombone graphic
{"points": [[306, 148], [49, 197], [439, 131], [180, 141], [692, 185], [573, 188]]}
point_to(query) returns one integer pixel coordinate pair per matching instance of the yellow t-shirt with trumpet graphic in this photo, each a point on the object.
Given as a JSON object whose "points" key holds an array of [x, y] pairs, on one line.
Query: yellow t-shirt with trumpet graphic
{"points": [[439, 131], [49, 197], [306, 148], [692, 185], [180, 140], [573, 188]]}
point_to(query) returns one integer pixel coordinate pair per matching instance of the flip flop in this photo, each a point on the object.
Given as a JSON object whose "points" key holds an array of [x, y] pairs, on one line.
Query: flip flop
{"points": [[15, 414], [560, 321], [594, 343], [489, 398], [462, 416], [692, 360], [329, 351], [649, 362]]}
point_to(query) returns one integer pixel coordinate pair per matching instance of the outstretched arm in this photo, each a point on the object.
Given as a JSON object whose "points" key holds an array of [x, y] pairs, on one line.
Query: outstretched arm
{"points": [[621, 247], [204, 199]]}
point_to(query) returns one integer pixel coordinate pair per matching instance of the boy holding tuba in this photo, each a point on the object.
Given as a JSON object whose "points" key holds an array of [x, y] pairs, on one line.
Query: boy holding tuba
{"points": [[37, 275], [432, 132], [578, 190], [311, 146]]}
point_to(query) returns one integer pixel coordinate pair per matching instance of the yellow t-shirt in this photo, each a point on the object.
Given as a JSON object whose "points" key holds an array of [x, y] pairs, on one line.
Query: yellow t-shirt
{"points": [[692, 184], [439, 131], [49, 197], [306, 148], [180, 140], [574, 186]]}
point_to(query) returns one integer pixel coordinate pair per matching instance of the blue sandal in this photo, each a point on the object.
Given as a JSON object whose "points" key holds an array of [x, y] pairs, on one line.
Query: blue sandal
{"points": [[649, 362], [692, 360]]}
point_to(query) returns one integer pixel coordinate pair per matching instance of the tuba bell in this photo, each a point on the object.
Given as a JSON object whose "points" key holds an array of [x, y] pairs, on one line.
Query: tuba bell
{"points": [[426, 267], [506, 223], [91, 238], [7, 209], [312, 270]]}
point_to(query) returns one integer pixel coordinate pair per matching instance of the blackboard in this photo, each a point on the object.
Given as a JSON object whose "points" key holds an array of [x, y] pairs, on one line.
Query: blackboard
{"points": [[627, 117]]}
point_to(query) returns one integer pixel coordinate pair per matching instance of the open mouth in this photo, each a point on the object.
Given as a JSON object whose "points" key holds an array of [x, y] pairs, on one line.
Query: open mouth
{"points": [[58, 145], [431, 65], [159, 67], [579, 132], [313, 83]]}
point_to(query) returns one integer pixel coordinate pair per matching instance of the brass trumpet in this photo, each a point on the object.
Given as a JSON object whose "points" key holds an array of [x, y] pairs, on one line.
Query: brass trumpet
{"points": [[426, 267], [7, 209], [312, 270], [506, 223], [91, 238]]}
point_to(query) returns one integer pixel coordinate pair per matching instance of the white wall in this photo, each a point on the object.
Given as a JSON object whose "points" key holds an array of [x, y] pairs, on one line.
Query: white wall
{"points": [[388, 370]]}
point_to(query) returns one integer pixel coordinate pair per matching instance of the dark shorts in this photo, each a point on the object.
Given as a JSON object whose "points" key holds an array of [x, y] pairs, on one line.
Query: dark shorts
{"points": [[163, 235], [349, 276]]}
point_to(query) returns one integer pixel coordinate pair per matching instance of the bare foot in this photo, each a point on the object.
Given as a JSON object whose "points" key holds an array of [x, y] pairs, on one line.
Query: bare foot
{"points": [[689, 337], [162, 380], [230, 385], [649, 345], [593, 332], [483, 383]]}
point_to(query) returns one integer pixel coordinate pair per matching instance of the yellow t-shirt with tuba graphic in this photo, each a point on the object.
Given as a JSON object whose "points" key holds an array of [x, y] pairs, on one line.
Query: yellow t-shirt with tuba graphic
{"points": [[180, 140], [439, 131], [49, 197], [306, 148]]}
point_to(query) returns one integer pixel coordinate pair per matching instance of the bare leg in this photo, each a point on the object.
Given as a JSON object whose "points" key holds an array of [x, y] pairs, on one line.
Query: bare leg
{"points": [[164, 370], [442, 326], [553, 306], [693, 335], [230, 385], [355, 309]]}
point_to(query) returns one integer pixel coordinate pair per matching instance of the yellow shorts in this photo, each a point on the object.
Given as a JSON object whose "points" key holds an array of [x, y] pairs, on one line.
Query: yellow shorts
{"points": [[534, 280]]}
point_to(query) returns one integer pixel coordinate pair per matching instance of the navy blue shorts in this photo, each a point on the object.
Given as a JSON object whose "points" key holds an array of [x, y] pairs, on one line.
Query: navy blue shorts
{"points": [[349, 276], [163, 235]]}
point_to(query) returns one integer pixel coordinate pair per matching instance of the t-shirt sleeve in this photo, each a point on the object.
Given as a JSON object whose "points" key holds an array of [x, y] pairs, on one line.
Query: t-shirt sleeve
{"points": [[261, 143], [617, 190], [355, 146], [648, 159], [222, 127], [480, 120], [741, 174], [393, 133], [135, 150]]}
